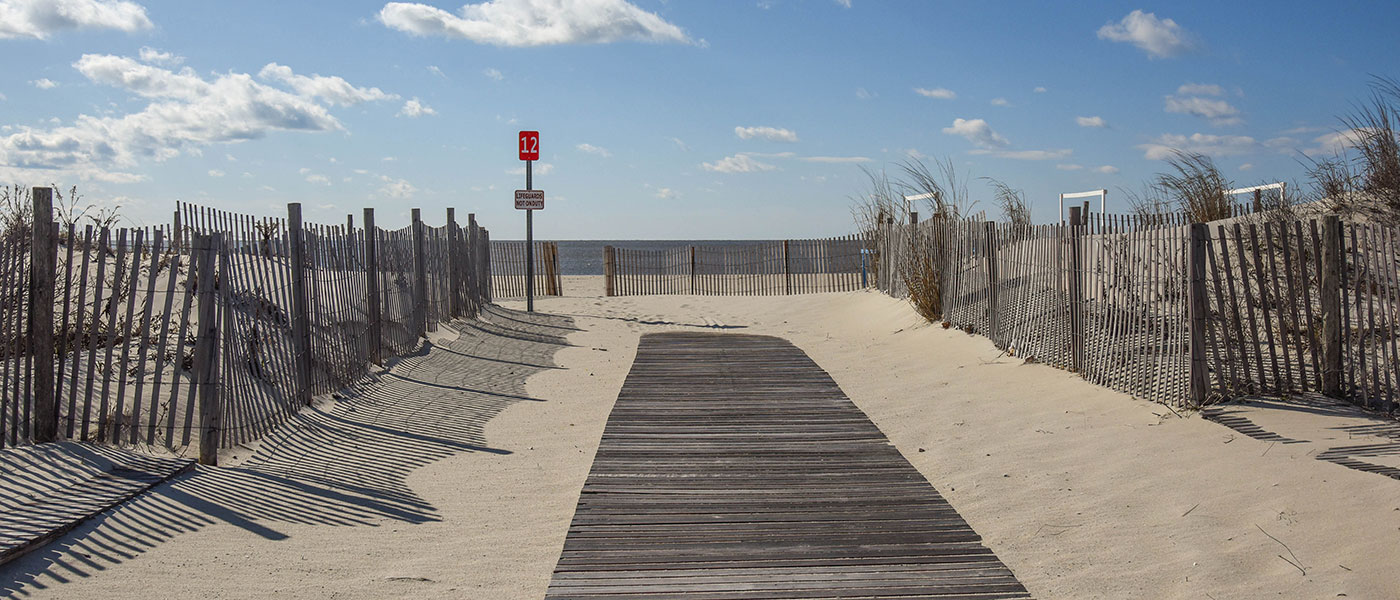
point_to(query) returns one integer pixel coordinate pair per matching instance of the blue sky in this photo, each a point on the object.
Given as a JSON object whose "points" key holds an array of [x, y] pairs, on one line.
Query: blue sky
{"points": [[679, 119]]}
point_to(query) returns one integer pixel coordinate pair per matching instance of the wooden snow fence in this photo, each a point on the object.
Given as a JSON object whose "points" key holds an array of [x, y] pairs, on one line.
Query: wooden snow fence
{"points": [[209, 332], [1178, 313], [508, 272], [760, 269]]}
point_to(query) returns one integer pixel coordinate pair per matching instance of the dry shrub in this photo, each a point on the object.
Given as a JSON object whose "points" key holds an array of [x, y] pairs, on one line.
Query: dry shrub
{"points": [[923, 277], [944, 193]]}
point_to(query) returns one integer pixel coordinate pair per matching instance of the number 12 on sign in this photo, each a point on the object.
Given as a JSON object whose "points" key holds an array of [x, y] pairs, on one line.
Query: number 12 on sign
{"points": [[529, 145]]}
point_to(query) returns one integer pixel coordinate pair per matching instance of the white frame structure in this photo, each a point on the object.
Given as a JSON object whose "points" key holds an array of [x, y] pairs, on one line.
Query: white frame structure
{"points": [[1281, 186], [1103, 201]]}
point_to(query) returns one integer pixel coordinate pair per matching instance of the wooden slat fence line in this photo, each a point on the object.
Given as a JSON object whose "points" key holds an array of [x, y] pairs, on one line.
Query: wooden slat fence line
{"points": [[127, 322], [508, 270], [1108, 296], [760, 269]]}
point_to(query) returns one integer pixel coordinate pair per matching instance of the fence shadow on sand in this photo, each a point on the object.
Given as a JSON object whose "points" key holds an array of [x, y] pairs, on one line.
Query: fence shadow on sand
{"points": [[341, 465]]}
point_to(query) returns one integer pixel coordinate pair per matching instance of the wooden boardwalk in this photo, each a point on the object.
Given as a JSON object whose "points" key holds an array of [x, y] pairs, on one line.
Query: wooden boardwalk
{"points": [[732, 466]]}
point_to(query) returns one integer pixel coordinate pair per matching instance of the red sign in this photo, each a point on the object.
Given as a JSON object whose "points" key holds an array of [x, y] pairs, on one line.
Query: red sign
{"points": [[529, 145]]}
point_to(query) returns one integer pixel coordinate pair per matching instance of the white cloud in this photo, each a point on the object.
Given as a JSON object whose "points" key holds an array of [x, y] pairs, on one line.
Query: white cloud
{"points": [[1218, 112], [772, 134], [835, 159], [156, 57], [318, 179], [1106, 169], [1057, 154], [667, 193], [1200, 89], [436, 71], [535, 22], [680, 144], [41, 18], [2, 98], [216, 173], [939, 93], [1246, 166], [844, 3], [978, 132], [44, 84], [865, 94], [493, 73], [1069, 167], [1335, 142], [1160, 38], [334, 90], [739, 163], [1212, 145], [398, 189], [1000, 102], [1039, 89], [414, 109], [591, 149], [1095, 121], [186, 113]]}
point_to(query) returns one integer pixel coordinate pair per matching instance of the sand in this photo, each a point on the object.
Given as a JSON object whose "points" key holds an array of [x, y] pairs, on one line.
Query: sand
{"points": [[1083, 492]]}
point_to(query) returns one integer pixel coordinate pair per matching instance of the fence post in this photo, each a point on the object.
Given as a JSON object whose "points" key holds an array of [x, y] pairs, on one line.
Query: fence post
{"points": [[420, 278], [787, 268], [376, 315], [472, 265], [43, 252], [993, 304], [692, 270], [301, 315], [1332, 265], [1198, 311], [610, 269], [206, 357], [179, 234], [487, 289], [1076, 291], [454, 265]]}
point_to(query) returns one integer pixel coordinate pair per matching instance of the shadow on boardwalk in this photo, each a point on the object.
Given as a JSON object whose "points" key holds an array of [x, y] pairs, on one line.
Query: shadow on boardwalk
{"points": [[338, 465]]}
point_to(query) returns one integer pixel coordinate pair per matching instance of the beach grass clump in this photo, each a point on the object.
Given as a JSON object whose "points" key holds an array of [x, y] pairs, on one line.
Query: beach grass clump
{"points": [[1195, 187], [1362, 178], [1012, 203]]}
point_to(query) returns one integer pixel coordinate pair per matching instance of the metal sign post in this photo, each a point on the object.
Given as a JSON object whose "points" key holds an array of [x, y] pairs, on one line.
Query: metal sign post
{"points": [[529, 152]]}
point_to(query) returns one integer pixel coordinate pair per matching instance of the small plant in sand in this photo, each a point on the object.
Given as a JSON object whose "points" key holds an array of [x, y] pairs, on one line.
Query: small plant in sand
{"points": [[1012, 203], [944, 192]]}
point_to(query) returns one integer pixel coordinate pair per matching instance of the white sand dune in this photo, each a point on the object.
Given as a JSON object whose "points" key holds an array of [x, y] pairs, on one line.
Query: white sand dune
{"points": [[1083, 492]]}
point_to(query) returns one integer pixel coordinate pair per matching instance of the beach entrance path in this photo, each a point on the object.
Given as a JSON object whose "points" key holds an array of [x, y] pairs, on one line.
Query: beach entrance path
{"points": [[732, 466]]}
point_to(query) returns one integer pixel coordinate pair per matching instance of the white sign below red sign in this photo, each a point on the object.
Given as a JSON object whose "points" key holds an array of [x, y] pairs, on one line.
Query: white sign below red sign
{"points": [[529, 199]]}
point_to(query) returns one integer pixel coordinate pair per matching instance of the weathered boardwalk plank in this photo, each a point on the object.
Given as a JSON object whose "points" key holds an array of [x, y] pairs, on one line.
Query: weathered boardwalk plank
{"points": [[732, 466]]}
